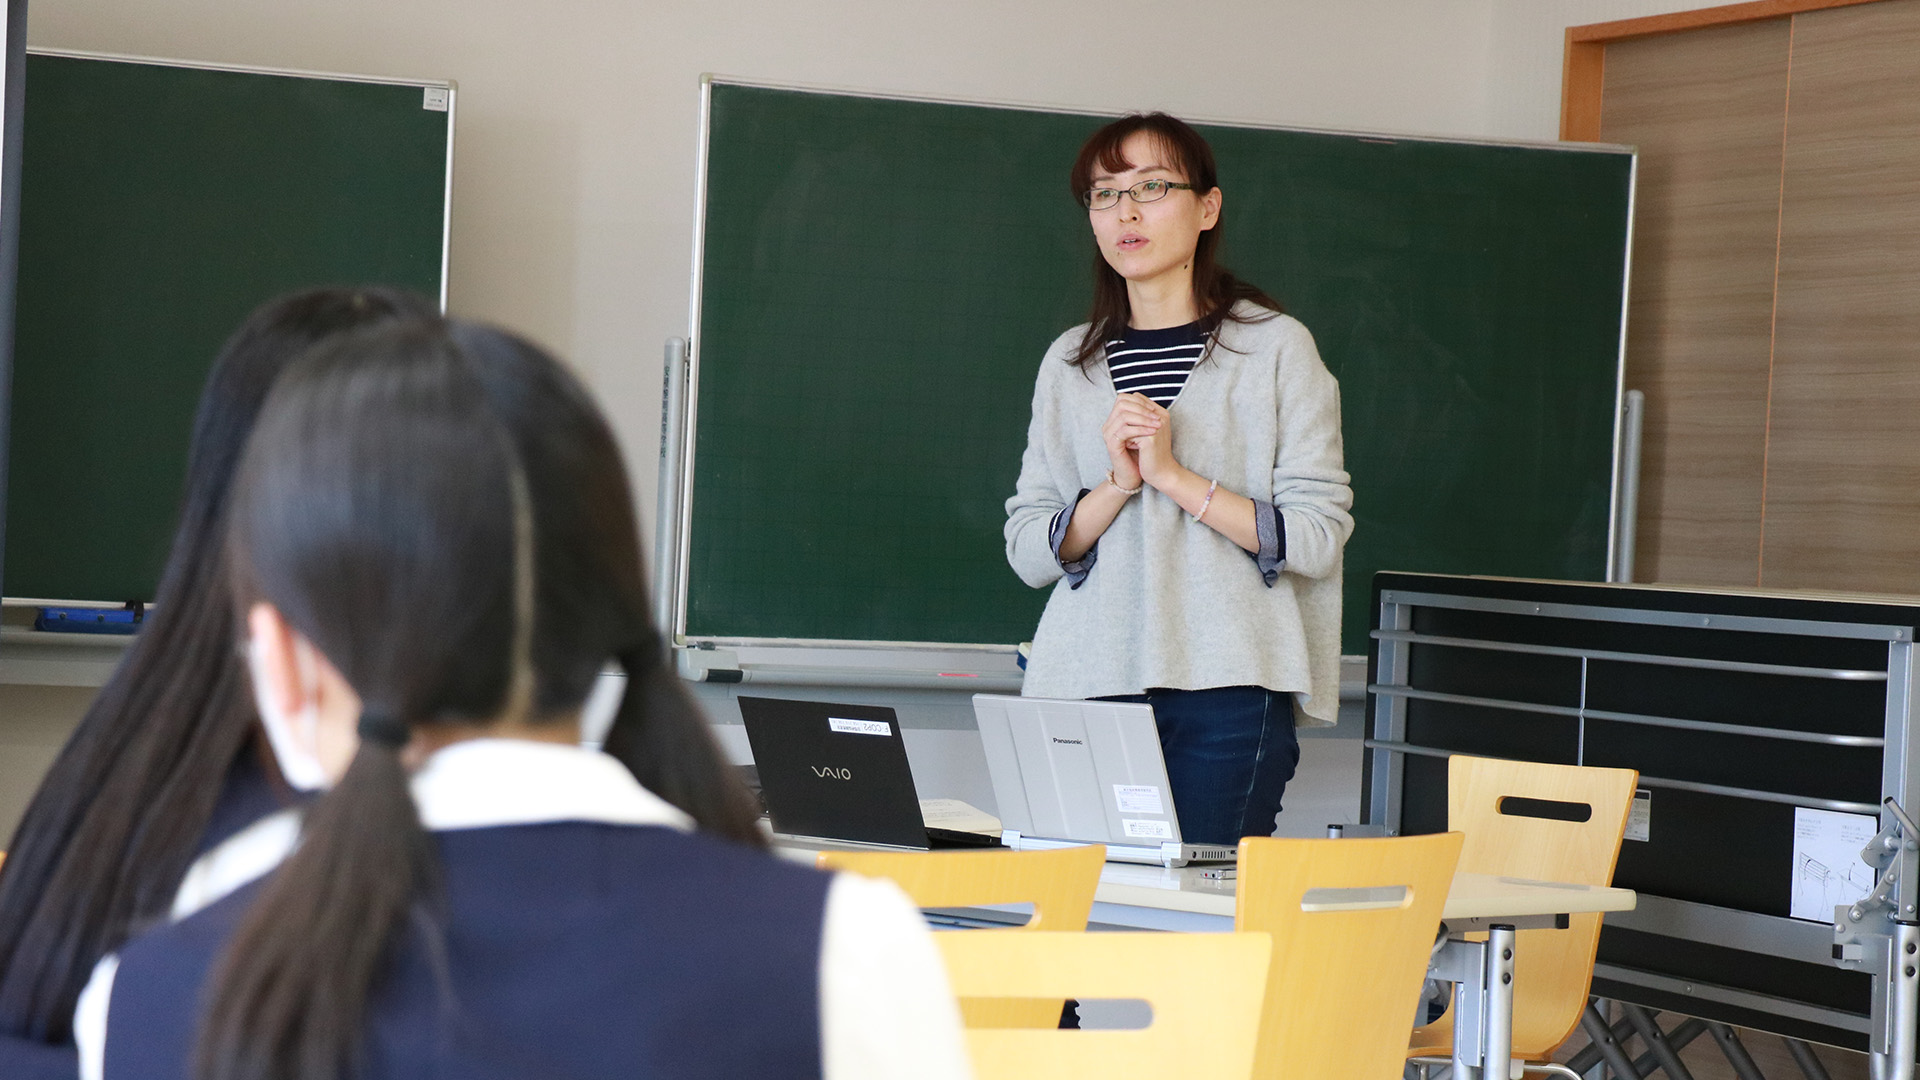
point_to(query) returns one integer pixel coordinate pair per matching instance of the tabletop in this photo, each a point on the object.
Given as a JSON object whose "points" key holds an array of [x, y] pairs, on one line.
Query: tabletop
{"points": [[1138, 895]]}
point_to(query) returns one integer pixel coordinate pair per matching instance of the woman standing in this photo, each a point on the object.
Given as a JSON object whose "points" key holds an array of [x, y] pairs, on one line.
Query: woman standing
{"points": [[1183, 486]]}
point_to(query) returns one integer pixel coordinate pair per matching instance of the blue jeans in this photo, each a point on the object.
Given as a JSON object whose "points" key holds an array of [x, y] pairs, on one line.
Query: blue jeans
{"points": [[1230, 751]]}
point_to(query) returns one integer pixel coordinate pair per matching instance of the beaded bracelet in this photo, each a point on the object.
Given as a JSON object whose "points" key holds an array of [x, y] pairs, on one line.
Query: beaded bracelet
{"points": [[1121, 490], [1208, 501]]}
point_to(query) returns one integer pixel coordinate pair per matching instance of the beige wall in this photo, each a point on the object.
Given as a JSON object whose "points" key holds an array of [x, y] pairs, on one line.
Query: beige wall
{"points": [[1524, 55], [577, 121]]}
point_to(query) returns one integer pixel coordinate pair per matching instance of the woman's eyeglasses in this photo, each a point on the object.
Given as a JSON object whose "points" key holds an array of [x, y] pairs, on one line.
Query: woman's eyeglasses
{"points": [[1102, 198]]}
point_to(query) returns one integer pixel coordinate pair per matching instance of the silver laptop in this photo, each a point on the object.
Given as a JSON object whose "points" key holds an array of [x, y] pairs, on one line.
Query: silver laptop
{"points": [[1083, 772]]}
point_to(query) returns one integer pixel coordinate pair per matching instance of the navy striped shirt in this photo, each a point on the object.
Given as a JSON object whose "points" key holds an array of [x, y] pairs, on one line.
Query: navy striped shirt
{"points": [[1155, 362]]}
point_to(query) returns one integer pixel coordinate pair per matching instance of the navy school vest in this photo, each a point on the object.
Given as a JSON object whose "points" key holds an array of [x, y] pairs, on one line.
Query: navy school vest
{"points": [[575, 951]]}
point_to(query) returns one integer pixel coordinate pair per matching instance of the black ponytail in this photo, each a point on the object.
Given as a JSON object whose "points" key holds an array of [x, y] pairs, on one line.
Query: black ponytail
{"points": [[290, 991], [593, 602], [661, 737]]}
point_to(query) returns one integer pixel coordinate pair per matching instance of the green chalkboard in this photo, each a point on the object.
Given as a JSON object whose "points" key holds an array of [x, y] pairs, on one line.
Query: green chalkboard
{"points": [[880, 277], [160, 204]]}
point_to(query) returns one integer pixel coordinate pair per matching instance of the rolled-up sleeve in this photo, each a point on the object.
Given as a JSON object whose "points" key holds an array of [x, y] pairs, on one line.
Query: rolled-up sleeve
{"points": [[1271, 527], [1311, 488], [1078, 569]]}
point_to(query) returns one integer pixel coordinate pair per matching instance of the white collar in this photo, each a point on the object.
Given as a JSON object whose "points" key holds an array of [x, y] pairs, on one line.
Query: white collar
{"points": [[474, 784], [480, 783]]}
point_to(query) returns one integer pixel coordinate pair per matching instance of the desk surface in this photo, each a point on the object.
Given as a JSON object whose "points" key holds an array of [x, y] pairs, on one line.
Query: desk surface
{"points": [[1473, 896], [1184, 890]]}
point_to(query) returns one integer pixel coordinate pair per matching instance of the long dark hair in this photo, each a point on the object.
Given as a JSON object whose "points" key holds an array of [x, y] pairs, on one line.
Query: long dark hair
{"points": [[592, 601], [1215, 291], [120, 815], [441, 511]]}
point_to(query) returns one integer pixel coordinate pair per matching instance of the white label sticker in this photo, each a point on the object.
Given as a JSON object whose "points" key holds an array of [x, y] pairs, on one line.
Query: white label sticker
{"points": [[1139, 799], [1142, 829], [859, 727], [1640, 817], [1827, 871], [435, 99]]}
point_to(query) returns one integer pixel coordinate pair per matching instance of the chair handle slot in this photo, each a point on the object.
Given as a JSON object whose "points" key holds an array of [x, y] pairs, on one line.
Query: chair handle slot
{"points": [[1546, 809], [1362, 898]]}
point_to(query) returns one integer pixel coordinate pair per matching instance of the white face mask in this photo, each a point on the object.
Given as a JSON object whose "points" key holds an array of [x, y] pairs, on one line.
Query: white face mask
{"points": [[292, 737]]}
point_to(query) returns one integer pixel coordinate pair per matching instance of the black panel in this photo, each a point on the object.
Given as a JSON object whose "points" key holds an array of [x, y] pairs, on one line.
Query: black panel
{"points": [[1423, 798], [1488, 732], [1789, 768], [1829, 706], [1814, 984], [1537, 680], [1711, 849]]}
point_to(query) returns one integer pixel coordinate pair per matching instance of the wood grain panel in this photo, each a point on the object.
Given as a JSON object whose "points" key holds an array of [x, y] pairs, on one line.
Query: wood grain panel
{"points": [[1706, 108], [1843, 478], [1722, 15]]}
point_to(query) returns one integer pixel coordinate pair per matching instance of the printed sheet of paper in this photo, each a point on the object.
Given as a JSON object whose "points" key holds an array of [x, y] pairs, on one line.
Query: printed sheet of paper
{"points": [[1827, 871], [957, 815], [1640, 817]]}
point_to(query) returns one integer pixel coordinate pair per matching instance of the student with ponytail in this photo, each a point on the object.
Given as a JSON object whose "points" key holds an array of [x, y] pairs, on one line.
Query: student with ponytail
{"points": [[166, 762], [432, 553]]}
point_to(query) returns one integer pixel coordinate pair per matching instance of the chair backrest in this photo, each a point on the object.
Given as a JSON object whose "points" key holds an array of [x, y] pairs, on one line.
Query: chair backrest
{"points": [[1353, 924], [1059, 884], [1496, 804], [1205, 991]]}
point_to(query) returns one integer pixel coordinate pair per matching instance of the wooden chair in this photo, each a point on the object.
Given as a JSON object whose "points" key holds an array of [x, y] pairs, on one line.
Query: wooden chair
{"points": [[1059, 884], [1205, 990], [1488, 800], [1353, 924]]}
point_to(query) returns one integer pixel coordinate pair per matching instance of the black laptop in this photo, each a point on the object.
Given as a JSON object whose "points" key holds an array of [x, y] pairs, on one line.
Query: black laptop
{"points": [[839, 772]]}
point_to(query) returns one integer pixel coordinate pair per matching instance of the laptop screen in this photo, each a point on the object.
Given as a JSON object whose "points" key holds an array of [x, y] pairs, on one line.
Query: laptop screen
{"points": [[1088, 771], [834, 771]]}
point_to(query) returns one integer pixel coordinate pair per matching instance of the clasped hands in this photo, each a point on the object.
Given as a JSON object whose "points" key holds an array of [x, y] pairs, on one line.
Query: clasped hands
{"points": [[1139, 438]]}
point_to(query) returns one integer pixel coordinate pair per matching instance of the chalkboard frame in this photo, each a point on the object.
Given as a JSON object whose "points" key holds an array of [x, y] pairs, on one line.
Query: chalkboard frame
{"points": [[13, 66], [681, 389], [451, 89]]}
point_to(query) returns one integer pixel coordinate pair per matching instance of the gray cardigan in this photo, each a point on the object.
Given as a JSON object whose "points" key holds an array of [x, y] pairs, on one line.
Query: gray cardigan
{"points": [[1172, 603]]}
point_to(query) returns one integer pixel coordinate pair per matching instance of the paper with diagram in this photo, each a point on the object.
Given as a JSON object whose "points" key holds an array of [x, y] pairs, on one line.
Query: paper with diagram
{"points": [[1827, 871]]}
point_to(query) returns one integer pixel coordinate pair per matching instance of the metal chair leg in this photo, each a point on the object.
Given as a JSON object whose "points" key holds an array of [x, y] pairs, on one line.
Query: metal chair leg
{"points": [[1611, 1051], [1656, 1040], [1735, 1052], [1589, 1055], [1803, 1056]]}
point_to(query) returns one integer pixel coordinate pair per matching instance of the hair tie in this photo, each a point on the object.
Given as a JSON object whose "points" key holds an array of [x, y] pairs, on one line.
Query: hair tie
{"points": [[383, 730]]}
